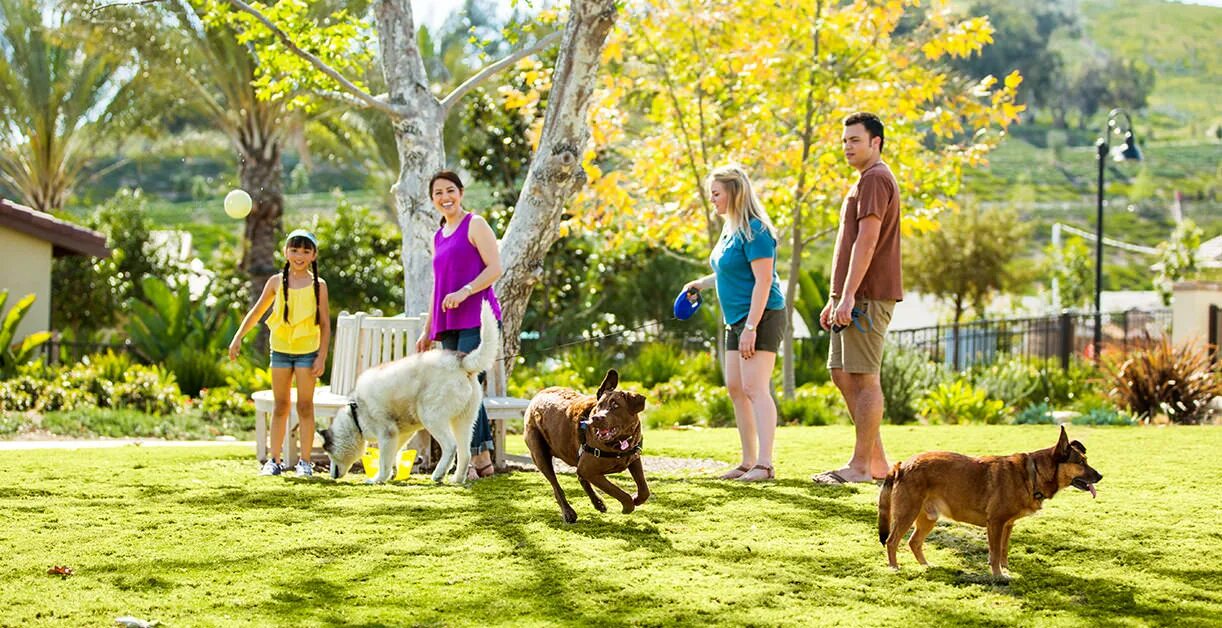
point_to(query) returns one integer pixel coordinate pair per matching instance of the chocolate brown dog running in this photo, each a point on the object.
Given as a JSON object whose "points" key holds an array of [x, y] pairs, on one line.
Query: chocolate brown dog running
{"points": [[990, 491], [597, 435]]}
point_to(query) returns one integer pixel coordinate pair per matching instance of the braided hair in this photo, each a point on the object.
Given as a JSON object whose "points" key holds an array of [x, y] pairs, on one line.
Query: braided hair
{"points": [[299, 242]]}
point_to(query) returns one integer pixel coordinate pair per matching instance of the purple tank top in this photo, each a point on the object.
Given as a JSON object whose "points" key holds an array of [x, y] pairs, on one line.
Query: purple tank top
{"points": [[456, 263]]}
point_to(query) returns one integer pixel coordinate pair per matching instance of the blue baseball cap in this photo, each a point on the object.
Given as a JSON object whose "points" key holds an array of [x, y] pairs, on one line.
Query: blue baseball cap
{"points": [[684, 306], [302, 233]]}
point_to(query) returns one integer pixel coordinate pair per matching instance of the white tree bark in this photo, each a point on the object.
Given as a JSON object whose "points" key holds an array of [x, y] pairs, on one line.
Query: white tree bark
{"points": [[555, 171], [418, 118]]}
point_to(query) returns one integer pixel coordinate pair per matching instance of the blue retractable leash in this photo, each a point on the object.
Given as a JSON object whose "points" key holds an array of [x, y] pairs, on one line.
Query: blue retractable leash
{"points": [[687, 303], [857, 314]]}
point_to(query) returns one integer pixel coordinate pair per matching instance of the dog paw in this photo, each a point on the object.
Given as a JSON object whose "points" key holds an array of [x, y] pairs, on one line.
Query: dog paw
{"points": [[640, 498], [629, 507], [599, 505], [570, 515]]}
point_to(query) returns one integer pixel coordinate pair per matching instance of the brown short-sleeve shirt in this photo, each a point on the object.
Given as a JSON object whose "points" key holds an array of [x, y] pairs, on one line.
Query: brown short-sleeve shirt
{"points": [[876, 193]]}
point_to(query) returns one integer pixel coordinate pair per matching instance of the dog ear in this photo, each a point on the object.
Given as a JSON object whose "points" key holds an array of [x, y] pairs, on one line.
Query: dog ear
{"points": [[609, 383], [636, 403], [1079, 446], [326, 439], [1061, 452]]}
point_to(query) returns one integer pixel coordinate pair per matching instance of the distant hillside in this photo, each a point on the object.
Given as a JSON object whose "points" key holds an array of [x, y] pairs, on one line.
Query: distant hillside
{"points": [[1182, 42]]}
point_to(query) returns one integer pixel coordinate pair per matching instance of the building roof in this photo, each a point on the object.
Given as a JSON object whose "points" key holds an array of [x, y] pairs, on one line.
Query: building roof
{"points": [[65, 237]]}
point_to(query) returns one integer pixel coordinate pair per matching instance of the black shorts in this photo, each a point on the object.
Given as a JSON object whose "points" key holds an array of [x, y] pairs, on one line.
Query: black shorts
{"points": [[768, 334]]}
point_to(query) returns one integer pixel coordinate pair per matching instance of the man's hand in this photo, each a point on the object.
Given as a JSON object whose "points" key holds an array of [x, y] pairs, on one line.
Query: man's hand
{"points": [[844, 311], [825, 316], [746, 344]]}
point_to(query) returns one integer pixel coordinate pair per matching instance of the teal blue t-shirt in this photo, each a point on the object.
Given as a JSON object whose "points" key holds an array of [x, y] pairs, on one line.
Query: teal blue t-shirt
{"points": [[731, 260]]}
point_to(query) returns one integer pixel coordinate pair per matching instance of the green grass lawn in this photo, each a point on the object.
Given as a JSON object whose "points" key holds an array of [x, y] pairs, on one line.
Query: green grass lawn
{"points": [[194, 537]]}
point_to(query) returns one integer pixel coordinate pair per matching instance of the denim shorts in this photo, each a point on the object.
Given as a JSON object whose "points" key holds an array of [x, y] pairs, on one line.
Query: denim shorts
{"points": [[293, 360]]}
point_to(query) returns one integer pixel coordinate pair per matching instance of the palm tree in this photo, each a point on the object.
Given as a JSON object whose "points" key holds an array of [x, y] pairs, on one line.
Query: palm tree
{"points": [[56, 97]]}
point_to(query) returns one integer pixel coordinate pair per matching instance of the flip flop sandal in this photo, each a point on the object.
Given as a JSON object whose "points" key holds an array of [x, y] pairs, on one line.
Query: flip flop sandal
{"points": [[734, 473], [829, 478], [771, 475], [485, 470]]}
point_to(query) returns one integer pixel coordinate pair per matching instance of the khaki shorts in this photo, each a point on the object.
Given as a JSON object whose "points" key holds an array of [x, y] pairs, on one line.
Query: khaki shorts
{"points": [[858, 351], [768, 334]]}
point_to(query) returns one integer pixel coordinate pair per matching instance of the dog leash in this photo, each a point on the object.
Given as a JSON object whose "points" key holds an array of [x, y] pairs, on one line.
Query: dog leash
{"points": [[857, 314]]}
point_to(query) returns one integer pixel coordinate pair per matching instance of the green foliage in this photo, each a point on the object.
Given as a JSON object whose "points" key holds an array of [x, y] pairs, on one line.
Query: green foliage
{"points": [[1177, 258], [230, 411], [13, 351], [102, 381], [957, 402], [1178, 382], [813, 405], [810, 354], [359, 256], [1060, 387], [1073, 268], [966, 259], [92, 293], [1010, 381], [61, 89], [905, 375], [1037, 414], [1023, 31], [189, 337], [660, 362], [1104, 416]]}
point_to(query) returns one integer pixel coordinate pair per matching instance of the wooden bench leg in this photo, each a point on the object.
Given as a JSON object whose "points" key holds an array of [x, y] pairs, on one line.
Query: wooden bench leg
{"points": [[261, 420], [498, 444]]}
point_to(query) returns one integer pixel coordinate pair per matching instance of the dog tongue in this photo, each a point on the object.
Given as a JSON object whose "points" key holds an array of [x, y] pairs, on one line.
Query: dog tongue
{"points": [[1091, 488], [623, 445]]}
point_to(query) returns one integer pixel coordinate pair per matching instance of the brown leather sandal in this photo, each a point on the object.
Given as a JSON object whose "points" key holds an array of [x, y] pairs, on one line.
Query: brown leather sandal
{"points": [[485, 470], [735, 473], [770, 476]]}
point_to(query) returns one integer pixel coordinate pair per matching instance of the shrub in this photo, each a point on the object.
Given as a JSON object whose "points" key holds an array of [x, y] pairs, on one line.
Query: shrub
{"points": [[1176, 381], [12, 352], [679, 412], [959, 402], [117, 423], [906, 375], [1011, 382], [229, 410], [1105, 416], [814, 405], [720, 410], [590, 364], [1060, 387], [1038, 414], [657, 362]]}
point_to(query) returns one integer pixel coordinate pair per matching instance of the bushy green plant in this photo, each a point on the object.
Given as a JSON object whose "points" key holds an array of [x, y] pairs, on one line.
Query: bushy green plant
{"points": [[187, 336], [148, 389], [1105, 416], [957, 401], [678, 412], [123, 422], [1011, 382], [906, 375], [657, 362], [12, 351], [720, 410], [590, 363], [1062, 387], [359, 255], [527, 380], [231, 411], [1160, 378], [813, 405], [1037, 414]]}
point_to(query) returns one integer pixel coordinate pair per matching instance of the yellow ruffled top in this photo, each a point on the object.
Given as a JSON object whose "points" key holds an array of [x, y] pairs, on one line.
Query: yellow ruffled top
{"points": [[300, 334]]}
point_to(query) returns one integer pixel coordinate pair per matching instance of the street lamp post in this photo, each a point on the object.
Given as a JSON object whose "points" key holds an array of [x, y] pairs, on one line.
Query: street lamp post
{"points": [[1128, 151]]}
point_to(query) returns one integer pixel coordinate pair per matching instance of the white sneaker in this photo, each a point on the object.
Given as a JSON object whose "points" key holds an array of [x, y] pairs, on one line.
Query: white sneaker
{"points": [[271, 467], [303, 468]]}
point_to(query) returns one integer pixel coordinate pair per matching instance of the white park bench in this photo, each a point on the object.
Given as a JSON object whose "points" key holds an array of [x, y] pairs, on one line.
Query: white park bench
{"points": [[363, 341]]}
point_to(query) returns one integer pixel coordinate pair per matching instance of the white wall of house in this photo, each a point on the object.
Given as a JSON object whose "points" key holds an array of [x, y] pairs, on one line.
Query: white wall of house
{"points": [[26, 269], [1190, 310]]}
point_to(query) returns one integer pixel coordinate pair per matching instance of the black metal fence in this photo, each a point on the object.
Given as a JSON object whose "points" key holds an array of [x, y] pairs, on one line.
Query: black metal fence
{"points": [[1059, 337], [59, 351], [1215, 332]]}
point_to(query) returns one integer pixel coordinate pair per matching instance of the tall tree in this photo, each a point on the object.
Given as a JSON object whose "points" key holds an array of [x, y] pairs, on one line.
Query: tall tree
{"points": [[768, 85], [58, 91], [418, 118]]}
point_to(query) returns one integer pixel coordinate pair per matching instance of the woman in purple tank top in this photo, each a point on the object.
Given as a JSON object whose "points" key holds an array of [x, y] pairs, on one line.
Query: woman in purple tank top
{"points": [[466, 262]]}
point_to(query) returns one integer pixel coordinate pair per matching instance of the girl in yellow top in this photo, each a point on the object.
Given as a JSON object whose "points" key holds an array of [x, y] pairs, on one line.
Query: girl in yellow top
{"points": [[300, 325]]}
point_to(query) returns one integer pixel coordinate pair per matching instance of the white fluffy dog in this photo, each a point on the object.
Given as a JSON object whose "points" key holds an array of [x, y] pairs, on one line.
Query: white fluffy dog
{"points": [[436, 390]]}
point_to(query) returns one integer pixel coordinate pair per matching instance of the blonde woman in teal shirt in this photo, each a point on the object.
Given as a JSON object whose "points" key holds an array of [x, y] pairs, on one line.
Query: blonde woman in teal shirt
{"points": [[753, 308]]}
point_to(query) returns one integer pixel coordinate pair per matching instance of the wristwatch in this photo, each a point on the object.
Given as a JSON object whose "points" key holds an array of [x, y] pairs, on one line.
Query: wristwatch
{"points": [[749, 327]]}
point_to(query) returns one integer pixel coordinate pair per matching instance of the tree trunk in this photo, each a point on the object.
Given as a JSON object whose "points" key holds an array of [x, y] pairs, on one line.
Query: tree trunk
{"points": [[260, 173], [555, 172]]}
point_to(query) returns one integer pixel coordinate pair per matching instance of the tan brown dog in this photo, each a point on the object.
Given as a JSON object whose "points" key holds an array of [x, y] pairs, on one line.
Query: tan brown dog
{"points": [[990, 491], [597, 435]]}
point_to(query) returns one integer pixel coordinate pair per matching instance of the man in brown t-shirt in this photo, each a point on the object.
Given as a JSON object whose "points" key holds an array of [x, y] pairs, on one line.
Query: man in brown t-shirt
{"points": [[866, 283]]}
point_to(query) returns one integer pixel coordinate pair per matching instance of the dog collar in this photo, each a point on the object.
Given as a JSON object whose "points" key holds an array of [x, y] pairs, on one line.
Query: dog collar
{"points": [[599, 453], [1035, 491], [352, 411]]}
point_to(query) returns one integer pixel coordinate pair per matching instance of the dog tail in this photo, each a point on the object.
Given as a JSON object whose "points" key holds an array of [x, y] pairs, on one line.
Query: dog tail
{"points": [[884, 504], [484, 356]]}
